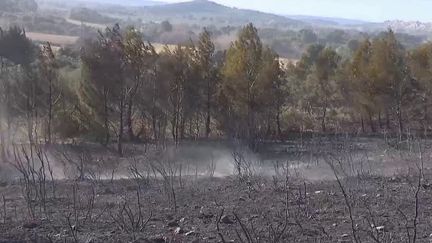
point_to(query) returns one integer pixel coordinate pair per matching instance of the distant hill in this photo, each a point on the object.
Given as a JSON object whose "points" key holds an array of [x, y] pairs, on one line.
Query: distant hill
{"points": [[317, 20], [128, 2], [18, 6], [208, 11], [95, 3], [91, 16]]}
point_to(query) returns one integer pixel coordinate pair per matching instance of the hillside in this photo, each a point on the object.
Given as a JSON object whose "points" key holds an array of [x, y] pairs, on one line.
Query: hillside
{"points": [[128, 2], [18, 6], [208, 12], [327, 21]]}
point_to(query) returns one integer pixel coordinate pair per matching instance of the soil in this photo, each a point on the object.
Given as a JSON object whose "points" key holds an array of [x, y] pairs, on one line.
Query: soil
{"points": [[382, 193], [254, 209]]}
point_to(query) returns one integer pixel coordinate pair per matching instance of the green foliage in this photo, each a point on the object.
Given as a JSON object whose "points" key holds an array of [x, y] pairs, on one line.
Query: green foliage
{"points": [[251, 75], [120, 89], [15, 46]]}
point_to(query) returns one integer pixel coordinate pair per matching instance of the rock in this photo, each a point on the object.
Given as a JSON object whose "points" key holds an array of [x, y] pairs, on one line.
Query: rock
{"points": [[182, 220], [226, 220], [344, 236], [31, 225], [380, 228], [205, 214], [178, 231], [427, 186], [173, 224], [190, 233]]}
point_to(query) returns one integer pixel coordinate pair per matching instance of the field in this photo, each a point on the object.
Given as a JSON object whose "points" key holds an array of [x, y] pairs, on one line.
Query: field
{"points": [[58, 40], [65, 40], [93, 25], [315, 190]]}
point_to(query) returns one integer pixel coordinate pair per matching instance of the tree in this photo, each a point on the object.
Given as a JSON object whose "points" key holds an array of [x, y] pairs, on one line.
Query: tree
{"points": [[316, 83], [272, 74], [392, 75], [166, 26], [175, 70], [240, 72], [209, 73], [321, 82], [103, 89], [363, 86], [21, 94], [245, 92], [420, 62], [139, 58], [48, 68], [16, 47], [308, 36]]}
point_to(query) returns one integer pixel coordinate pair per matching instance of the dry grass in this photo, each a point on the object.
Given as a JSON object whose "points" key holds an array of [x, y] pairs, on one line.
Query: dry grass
{"points": [[93, 25], [160, 47], [60, 40]]}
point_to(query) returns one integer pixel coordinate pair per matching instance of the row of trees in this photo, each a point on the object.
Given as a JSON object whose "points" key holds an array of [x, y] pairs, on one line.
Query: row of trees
{"points": [[382, 84], [125, 90]]}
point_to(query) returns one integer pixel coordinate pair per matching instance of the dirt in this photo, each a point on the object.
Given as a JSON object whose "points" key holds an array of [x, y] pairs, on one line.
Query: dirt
{"points": [[288, 194], [262, 209]]}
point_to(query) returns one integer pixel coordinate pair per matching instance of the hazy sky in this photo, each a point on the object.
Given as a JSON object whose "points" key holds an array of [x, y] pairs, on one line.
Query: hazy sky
{"points": [[372, 10]]}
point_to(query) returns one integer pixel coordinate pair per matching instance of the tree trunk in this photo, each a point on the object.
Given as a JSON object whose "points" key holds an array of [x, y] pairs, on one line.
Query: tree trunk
{"points": [[387, 120], [208, 117], [363, 126], [106, 122], [154, 127], [191, 133], [399, 113], [425, 116], [323, 121], [121, 126], [129, 121], [371, 123], [4, 112], [50, 109], [182, 127], [174, 128], [278, 124], [380, 120], [155, 133]]}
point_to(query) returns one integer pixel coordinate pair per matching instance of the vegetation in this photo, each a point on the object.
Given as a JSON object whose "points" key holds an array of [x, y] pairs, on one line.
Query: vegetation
{"points": [[126, 91], [118, 90], [91, 16], [18, 5]]}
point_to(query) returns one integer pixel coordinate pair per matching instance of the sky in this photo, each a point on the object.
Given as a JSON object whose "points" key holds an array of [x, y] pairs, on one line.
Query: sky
{"points": [[370, 10]]}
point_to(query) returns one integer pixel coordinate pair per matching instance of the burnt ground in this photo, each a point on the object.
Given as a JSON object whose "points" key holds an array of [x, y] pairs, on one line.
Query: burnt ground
{"points": [[255, 209]]}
